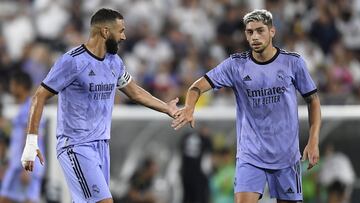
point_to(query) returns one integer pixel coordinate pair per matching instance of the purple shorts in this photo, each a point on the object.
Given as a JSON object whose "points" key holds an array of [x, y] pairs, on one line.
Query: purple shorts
{"points": [[284, 184], [87, 171]]}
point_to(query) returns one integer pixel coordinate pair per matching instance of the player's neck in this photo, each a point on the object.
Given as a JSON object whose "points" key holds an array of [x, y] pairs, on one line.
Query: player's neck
{"points": [[266, 55], [96, 46]]}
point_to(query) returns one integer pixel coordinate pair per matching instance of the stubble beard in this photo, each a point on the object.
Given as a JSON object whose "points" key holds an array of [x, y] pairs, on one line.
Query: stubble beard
{"points": [[262, 49]]}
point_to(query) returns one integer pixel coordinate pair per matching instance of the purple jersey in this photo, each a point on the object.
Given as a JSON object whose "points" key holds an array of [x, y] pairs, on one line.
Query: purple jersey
{"points": [[86, 86], [267, 122]]}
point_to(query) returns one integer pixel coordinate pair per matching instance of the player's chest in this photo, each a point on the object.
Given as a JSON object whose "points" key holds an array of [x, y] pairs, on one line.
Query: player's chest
{"points": [[97, 78], [265, 77]]}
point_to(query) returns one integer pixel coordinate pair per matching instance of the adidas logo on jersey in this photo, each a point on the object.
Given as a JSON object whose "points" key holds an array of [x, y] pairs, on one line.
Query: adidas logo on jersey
{"points": [[289, 190], [247, 78], [91, 73]]}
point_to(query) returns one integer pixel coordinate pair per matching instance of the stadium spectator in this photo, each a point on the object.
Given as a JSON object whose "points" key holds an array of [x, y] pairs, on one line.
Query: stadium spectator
{"points": [[182, 24]]}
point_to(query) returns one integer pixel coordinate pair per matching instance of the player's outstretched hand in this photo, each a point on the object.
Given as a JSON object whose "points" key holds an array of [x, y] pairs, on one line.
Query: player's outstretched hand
{"points": [[31, 151], [311, 152], [172, 108], [182, 117]]}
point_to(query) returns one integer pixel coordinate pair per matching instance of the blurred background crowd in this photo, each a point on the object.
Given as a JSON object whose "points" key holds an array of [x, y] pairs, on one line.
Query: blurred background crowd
{"points": [[171, 43]]}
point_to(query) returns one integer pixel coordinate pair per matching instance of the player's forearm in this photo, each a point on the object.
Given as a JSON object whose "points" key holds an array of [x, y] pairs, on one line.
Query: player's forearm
{"points": [[314, 120], [192, 96], [196, 89], [37, 105], [145, 98]]}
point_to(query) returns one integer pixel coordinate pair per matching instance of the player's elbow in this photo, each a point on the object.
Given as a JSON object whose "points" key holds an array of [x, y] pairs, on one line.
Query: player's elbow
{"points": [[41, 96]]}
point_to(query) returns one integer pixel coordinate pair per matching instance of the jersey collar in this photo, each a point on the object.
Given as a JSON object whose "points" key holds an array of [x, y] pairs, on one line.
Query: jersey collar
{"points": [[265, 62]]}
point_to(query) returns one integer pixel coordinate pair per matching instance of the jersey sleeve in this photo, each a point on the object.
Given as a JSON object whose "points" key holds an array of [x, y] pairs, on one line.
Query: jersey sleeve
{"points": [[221, 75], [124, 76], [62, 74], [303, 81]]}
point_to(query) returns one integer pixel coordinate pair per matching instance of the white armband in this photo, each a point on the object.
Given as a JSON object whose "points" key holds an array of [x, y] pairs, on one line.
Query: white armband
{"points": [[124, 80]]}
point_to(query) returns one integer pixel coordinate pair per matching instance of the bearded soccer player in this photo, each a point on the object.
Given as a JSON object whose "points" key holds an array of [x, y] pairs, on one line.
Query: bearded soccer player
{"points": [[86, 78], [265, 81]]}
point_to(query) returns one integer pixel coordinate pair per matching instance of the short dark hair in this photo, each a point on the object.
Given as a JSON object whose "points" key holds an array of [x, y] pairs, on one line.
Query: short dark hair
{"points": [[105, 15], [23, 79]]}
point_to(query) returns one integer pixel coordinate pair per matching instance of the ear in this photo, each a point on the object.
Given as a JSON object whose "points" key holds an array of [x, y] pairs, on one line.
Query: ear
{"points": [[104, 31], [272, 31]]}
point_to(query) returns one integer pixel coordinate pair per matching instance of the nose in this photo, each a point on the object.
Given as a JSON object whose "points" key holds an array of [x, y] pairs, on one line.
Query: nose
{"points": [[255, 36], [123, 37]]}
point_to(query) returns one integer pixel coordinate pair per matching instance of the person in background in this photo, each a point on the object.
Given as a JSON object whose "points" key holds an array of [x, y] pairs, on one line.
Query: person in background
{"points": [[19, 185], [4, 141], [141, 183], [337, 175], [194, 146], [222, 181]]}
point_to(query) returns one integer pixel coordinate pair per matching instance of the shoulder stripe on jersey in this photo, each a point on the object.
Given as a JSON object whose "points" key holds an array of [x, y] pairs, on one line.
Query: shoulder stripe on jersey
{"points": [[282, 51], [77, 49], [290, 54], [78, 53], [243, 55], [209, 81], [49, 88], [309, 93], [78, 172], [80, 49]]}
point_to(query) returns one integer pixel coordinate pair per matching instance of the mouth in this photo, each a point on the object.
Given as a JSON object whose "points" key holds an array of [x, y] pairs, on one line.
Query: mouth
{"points": [[256, 44]]}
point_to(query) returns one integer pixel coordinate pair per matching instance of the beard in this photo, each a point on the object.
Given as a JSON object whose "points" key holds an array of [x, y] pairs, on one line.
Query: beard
{"points": [[263, 47], [111, 46], [260, 50]]}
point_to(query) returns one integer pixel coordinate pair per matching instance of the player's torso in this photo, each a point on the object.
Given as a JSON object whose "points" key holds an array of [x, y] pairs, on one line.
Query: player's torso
{"points": [[96, 82], [267, 123], [265, 85], [86, 104]]}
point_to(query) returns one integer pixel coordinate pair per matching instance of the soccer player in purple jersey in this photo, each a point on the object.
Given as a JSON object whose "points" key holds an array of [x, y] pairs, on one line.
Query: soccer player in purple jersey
{"points": [[18, 185], [86, 79], [265, 81]]}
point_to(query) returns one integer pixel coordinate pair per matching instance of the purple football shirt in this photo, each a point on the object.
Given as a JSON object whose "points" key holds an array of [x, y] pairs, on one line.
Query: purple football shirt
{"points": [[266, 105], [86, 86]]}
